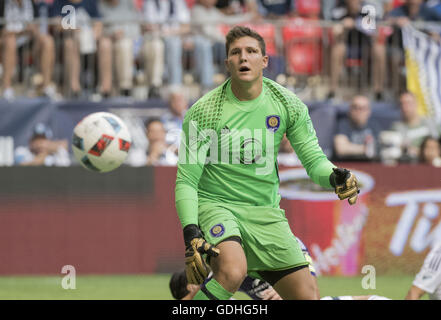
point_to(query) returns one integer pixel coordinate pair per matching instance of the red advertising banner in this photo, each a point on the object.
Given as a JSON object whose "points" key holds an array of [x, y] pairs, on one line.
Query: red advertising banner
{"points": [[391, 227], [125, 221]]}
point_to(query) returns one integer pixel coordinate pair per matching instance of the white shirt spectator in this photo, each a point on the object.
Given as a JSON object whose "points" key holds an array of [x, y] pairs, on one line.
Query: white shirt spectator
{"points": [[138, 158], [169, 13], [173, 127], [60, 158], [18, 17], [41, 144], [207, 20], [121, 17]]}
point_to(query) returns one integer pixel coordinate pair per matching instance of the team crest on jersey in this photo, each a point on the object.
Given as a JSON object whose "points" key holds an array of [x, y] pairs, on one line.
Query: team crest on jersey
{"points": [[273, 123], [217, 230]]}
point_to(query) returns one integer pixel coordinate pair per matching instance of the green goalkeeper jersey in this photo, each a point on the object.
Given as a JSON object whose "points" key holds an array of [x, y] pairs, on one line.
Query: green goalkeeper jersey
{"points": [[228, 151]]}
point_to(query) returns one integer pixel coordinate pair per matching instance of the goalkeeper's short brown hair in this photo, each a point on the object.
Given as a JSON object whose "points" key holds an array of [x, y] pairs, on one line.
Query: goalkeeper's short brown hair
{"points": [[239, 32]]}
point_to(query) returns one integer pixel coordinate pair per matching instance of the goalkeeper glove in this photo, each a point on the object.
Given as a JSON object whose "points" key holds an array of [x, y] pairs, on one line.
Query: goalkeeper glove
{"points": [[345, 184], [196, 269]]}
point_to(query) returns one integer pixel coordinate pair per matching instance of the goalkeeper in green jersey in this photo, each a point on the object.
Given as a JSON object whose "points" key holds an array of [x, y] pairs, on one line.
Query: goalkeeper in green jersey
{"points": [[227, 181]]}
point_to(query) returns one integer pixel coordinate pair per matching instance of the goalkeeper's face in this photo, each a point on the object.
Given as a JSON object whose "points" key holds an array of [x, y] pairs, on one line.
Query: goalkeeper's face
{"points": [[245, 60]]}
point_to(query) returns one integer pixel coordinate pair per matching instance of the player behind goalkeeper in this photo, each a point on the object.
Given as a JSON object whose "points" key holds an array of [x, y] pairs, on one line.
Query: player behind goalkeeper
{"points": [[428, 280], [227, 181]]}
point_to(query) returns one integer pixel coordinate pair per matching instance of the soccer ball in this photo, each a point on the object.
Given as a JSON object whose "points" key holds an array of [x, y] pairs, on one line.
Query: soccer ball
{"points": [[101, 142]]}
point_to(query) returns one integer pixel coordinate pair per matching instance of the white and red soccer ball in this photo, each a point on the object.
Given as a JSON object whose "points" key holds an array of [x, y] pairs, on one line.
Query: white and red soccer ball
{"points": [[101, 142]]}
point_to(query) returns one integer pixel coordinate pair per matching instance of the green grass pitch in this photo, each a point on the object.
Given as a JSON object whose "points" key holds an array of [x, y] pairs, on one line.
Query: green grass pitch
{"points": [[155, 287]]}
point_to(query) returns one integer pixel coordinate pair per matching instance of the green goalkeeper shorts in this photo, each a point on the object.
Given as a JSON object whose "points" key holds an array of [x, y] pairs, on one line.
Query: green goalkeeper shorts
{"points": [[267, 239]]}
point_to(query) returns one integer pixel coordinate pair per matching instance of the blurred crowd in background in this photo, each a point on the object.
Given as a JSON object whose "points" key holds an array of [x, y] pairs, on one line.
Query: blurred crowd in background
{"points": [[329, 50]]}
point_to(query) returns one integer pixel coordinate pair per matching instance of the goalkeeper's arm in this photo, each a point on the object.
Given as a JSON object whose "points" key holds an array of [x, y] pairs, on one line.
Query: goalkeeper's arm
{"points": [[195, 245], [186, 199], [303, 139]]}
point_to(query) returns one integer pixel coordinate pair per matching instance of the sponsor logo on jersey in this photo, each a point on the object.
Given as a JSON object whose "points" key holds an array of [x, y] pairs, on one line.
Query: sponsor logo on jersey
{"points": [[250, 151], [217, 230], [273, 123]]}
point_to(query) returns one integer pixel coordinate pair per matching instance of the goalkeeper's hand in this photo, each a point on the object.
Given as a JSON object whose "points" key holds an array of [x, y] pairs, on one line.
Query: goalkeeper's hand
{"points": [[196, 269], [345, 184]]}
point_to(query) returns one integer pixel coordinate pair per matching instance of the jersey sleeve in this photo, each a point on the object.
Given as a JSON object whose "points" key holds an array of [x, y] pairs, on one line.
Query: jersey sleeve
{"points": [[429, 277], [302, 136], [190, 167], [199, 124]]}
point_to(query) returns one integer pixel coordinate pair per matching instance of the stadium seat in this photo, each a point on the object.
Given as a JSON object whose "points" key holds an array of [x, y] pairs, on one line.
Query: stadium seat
{"points": [[303, 49], [268, 33], [397, 3], [383, 33], [224, 28], [266, 30], [308, 8], [139, 4], [190, 3]]}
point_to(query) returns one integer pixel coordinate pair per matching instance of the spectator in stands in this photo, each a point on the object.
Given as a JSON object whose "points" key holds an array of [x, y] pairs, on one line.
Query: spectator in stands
{"points": [[412, 129], [80, 36], [19, 32], [381, 7], [356, 137], [356, 40], [430, 151], [275, 10], [121, 30], [166, 30], [326, 8], [410, 11], [232, 7], [434, 8], [159, 152], [282, 9], [208, 38], [43, 150], [173, 118]]}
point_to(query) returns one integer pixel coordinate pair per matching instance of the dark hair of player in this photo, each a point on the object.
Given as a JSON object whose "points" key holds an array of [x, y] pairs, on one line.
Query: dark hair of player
{"points": [[240, 32], [178, 285]]}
